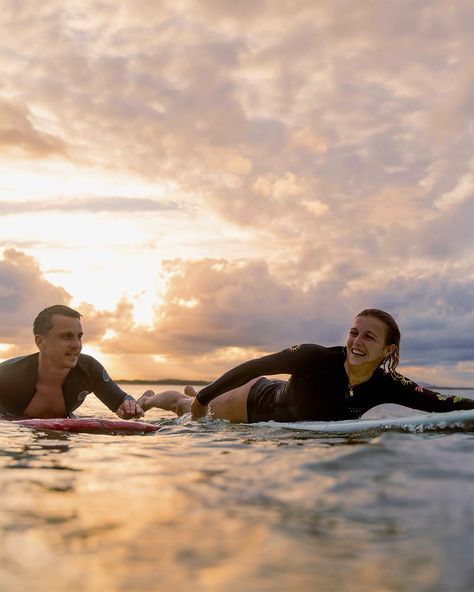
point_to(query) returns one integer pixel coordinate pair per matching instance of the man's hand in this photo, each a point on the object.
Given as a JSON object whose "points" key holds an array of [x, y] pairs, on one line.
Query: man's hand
{"points": [[198, 410], [129, 409]]}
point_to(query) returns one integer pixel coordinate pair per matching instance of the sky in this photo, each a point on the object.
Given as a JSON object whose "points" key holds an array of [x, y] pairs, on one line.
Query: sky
{"points": [[208, 181]]}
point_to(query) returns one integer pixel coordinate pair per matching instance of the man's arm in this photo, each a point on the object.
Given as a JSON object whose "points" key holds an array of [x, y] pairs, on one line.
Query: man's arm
{"points": [[112, 395]]}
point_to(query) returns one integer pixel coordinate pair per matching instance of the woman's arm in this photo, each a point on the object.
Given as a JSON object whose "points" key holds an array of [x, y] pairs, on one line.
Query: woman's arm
{"points": [[408, 393], [287, 361]]}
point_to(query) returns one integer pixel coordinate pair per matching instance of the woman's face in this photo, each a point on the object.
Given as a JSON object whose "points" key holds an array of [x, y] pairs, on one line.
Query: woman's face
{"points": [[366, 342]]}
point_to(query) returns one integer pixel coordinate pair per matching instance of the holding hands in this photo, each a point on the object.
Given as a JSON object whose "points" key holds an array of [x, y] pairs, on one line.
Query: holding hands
{"points": [[129, 409]]}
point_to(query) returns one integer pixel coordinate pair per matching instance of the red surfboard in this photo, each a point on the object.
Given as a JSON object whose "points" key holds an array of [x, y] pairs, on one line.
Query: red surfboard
{"points": [[90, 425]]}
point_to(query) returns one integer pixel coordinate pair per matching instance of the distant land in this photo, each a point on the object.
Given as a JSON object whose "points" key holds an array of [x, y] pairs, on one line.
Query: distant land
{"points": [[180, 381], [451, 388], [165, 381], [447, 388]]}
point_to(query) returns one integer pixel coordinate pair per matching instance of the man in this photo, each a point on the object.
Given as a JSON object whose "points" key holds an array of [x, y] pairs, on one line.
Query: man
{"points": [[56, 381]]}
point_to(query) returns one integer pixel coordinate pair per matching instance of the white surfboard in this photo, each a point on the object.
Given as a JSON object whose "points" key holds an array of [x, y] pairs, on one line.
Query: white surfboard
{"points": [[462, 421]]}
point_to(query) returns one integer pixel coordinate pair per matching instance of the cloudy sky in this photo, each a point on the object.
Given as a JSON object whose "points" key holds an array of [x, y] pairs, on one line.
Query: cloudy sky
{"points": [[211, 180]]}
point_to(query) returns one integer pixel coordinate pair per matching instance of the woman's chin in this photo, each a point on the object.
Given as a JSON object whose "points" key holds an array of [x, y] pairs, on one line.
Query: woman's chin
{"points": [[357, 360]]}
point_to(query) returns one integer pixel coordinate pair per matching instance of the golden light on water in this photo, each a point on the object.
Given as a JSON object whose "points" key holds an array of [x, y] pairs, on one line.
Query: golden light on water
{"points": [[215, 507]]}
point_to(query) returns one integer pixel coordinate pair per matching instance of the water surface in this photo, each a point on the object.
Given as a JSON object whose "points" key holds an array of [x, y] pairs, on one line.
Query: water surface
{"points": [[216, 507]]}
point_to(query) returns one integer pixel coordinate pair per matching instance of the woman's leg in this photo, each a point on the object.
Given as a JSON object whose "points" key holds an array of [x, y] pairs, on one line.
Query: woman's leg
{"points": [[167, 400], [231, 405]]}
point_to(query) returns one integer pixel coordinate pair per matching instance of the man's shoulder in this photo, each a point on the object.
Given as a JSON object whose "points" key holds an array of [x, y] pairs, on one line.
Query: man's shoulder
{"points": [[87, 360], [88, 363], [18, 375], [19, 363], [92, 367]]}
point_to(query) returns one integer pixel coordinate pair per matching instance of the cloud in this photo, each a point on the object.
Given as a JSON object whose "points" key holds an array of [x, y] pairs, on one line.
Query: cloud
{"points": [[89, 204], [216, 313], [435, 313], [211, 306], [189, 93], [18, 131], [336, 135], [214, 303], [23, 293]]}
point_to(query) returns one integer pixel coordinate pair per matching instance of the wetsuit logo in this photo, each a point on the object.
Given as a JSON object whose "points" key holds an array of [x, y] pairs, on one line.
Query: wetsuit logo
{"points": [[294, 348], [403, 379], [454, 399], [105, 376]]}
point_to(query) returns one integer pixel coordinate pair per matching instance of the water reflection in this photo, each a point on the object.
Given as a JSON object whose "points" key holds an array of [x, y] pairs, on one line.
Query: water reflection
{"points": [[43, 451], [213, 507]]}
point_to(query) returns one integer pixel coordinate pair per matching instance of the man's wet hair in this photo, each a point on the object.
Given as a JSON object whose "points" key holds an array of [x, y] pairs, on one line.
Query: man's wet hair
{"points": [[44, 321]]}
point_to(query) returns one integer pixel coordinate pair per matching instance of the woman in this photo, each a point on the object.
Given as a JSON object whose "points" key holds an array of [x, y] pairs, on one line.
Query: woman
{"points": [[326, 383]]}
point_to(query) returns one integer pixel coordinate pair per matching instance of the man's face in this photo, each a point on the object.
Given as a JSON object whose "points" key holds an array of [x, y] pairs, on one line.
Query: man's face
{"points": [[62, 344]]}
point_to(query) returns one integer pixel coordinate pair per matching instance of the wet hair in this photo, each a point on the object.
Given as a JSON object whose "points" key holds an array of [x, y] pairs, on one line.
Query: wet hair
{"points": [[44, 321], [390, 363]]}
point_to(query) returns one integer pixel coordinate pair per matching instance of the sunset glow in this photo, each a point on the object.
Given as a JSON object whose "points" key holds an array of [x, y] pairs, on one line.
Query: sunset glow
{"points": [[210, 181]]}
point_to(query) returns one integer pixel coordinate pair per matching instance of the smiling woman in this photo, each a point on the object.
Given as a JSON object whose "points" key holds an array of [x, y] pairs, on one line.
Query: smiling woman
{"points": [[374, 340], [326, 383]]}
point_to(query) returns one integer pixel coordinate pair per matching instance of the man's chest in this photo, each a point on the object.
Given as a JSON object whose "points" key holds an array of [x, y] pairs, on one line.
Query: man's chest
{"points": [[48, 401]]}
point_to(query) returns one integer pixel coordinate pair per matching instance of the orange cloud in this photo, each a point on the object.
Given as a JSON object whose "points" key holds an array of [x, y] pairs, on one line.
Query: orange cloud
{"points": [[324, 150], [216, 313], [18, 132], [23, 293]]}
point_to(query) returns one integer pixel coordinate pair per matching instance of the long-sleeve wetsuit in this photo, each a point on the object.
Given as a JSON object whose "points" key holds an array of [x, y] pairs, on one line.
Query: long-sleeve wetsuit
{"points": [[318, 388], [18, 378]]}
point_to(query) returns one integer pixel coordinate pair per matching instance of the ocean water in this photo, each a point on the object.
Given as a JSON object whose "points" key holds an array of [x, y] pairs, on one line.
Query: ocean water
{"points": [[212, 507]]}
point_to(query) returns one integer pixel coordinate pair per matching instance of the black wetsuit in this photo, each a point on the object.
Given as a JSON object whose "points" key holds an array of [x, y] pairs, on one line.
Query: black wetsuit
{"points": [[18, 378], [318, 388]]}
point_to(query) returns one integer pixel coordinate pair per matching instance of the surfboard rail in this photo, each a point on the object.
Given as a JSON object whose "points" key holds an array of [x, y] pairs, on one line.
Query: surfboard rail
{"points": [[428, 422], [91, 425]]}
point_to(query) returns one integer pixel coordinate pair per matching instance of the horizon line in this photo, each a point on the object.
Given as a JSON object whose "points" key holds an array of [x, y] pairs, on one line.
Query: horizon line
{"points": [[182, 381]]}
